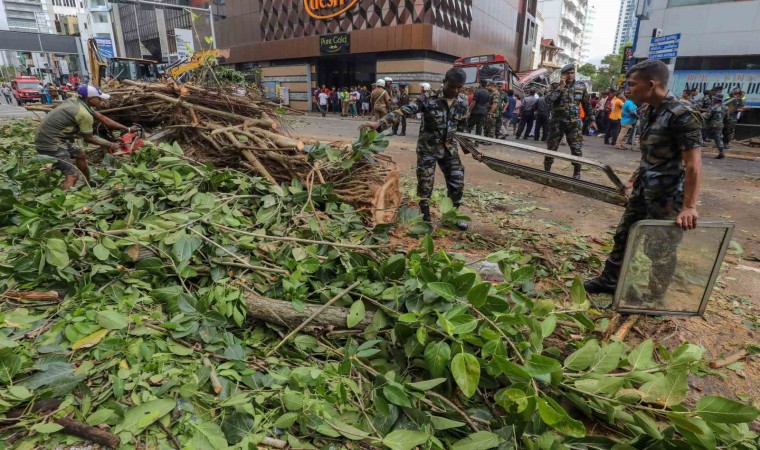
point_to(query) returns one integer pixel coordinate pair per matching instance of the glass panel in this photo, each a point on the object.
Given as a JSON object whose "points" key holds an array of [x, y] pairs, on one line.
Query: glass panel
{"points": [[472, 73], [670, 270]]}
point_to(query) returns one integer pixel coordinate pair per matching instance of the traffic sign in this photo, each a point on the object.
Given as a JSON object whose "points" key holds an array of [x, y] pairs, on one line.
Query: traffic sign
{"points": [[663, 47], [668, 38], [665, 55]]}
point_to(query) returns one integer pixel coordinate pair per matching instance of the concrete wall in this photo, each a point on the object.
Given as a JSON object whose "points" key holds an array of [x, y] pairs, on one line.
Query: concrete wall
{"points": [[293, 77]]}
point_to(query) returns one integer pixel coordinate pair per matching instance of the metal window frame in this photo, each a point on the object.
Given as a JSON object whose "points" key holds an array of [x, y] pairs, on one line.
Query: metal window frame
{"points": [[728, 228]]}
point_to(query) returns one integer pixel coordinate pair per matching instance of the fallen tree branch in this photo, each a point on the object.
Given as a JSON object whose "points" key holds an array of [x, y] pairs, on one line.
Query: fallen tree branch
{"points": [[89, 433], [315, 313], [33, 296], [622, 332], [729, 359]]}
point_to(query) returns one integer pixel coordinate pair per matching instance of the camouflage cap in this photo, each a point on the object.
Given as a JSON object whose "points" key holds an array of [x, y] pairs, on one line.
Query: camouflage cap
{"points": [[567, 68]]}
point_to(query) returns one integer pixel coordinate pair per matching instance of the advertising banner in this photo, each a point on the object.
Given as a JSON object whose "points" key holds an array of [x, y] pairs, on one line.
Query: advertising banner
{"points": [[334, 44], [184, 40], [746, 80], [105, 47]]}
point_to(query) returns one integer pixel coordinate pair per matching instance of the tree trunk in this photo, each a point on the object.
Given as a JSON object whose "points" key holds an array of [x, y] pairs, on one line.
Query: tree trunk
{"points": [[282, 313]]}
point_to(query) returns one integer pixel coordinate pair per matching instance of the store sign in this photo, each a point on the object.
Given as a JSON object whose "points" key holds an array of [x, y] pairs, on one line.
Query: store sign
{"points": [[327, 9], [746, 80], [105, 47], [627, 56], [184, 40], [334, 44]]}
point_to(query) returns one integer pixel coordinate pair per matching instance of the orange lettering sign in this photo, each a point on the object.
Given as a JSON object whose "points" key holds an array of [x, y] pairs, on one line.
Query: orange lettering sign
{"points": [[327, 9]]}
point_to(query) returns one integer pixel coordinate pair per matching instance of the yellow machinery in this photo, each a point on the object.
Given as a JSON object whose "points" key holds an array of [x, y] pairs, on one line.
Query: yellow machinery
{"points": [[175, 71], [105, 72]]}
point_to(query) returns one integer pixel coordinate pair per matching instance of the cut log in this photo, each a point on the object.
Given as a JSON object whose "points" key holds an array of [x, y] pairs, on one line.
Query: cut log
{"points": [[89, 433], [282, 313], [33, 296]]}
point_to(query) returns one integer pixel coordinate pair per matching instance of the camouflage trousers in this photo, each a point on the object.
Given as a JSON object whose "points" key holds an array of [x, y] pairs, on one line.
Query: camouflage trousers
{"points": [[492, 125], [729, 129], [659, 245], [568, 128], [453, 173], [716, 135]]}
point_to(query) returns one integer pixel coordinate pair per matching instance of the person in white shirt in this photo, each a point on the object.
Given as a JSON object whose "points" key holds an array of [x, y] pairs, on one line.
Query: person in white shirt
{"points": [[323, 103]]}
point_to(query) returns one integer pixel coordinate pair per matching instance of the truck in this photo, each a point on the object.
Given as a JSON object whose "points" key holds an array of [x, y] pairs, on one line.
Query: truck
{"points": [[26, 89], [103, 71], [494, 67]]}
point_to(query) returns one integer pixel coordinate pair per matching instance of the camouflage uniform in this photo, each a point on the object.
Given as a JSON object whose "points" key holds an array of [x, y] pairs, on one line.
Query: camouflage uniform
{"points": [[403, 100], [565, 119], [666, 132], [436, 144], [732, 115], [714, 124], [493, 121]]}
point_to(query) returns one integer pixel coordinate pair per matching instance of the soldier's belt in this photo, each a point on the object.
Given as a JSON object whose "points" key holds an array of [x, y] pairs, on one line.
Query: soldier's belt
{"points": [[585, 188]]}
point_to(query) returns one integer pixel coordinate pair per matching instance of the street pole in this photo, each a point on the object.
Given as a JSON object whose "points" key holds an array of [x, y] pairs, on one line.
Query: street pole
{"points": [[211, 18]]}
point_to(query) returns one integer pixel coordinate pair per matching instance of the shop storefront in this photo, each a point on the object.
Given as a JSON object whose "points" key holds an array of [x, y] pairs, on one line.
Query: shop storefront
{"points": [[302, 44]]}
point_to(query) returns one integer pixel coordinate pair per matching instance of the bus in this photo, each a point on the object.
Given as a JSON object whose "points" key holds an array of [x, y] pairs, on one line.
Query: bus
{"points": [[489, 67]]}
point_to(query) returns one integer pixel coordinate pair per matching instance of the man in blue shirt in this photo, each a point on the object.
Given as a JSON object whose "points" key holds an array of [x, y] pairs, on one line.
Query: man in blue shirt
{"points": [[630, 115], [509, 111]]}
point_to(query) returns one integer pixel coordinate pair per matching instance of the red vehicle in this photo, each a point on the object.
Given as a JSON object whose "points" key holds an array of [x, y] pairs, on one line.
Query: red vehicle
{"points": [[489, 67], [26, 89]]}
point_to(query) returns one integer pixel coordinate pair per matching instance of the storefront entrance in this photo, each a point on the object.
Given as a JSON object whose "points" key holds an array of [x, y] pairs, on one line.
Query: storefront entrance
{"points": [[346, 70]]}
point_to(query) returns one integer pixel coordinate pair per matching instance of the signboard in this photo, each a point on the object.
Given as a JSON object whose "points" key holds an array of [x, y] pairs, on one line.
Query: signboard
{"points": [[746, 80], [184, 41], [271, 89], [664, 47], [627, 55], [284, 95], [334, 44], [105, 47], [327, 9]]}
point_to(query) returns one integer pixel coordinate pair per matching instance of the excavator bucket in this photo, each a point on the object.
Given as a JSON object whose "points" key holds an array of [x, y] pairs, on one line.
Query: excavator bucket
{"points": [[609, 194]]}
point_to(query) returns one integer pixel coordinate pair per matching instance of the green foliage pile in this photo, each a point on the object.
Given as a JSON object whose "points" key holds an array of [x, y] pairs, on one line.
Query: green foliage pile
{"points": [[153, 341]]}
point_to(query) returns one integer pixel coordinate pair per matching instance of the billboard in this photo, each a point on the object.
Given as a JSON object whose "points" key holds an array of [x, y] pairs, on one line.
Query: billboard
{"points": [[184, 40], [746, 80], [105, 47]]}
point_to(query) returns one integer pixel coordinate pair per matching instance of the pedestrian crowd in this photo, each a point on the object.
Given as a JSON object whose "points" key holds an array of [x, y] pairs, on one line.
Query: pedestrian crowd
{"points": [[380, 98], [47, 93]]}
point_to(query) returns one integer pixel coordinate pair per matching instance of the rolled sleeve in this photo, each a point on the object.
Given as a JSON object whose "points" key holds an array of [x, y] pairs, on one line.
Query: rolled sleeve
{"points": [[688, 131]]}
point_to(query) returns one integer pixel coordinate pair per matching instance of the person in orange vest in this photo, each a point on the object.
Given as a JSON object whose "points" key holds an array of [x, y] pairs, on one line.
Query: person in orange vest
{"points": [[566, 100]]}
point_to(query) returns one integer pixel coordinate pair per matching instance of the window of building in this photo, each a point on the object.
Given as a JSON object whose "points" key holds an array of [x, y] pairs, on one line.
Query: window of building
{"points": [[675, 3], [99, 17]]}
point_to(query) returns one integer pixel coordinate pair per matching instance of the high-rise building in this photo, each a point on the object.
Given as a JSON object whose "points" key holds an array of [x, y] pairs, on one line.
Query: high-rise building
{"points": [[588, 33], [564, 22], [626, 24], [25, 15]]}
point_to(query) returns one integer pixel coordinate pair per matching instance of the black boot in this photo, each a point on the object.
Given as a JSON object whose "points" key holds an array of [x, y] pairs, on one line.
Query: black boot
{"points": [[425, 211], [548, 165], [606, 282], [577, 172], [721, 155]]}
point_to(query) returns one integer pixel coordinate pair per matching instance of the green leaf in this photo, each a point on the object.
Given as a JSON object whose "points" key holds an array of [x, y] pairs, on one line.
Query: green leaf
{"points": [[445, 290], [582, 358], [478, 294], [355, 314], [668, 390], [722, 410], [482, 440], [208, 435], [542, 365], [577, 292], [90, 340], [112, 320], [647, 424], [56, 253], [641, 357], [445, 205], [510, 369], [100, 416], [608, 359], [286, 420], [101, 252], [428, 384], [347, 430], [437, 355], [394, 267], [405, 439], [442, 423], [686, 354], [555, 416], [53, 373], [184, 248], [395, 394], [46, 428], [466, 371], [141, 416]]}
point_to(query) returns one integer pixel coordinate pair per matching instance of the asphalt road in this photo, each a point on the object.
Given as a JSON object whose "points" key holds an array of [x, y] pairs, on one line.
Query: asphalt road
{"points": [[12, 111]]}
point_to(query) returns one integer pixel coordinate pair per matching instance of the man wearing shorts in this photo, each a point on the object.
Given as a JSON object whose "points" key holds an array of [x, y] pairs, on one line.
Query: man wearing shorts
{"points": [[58, 129]]}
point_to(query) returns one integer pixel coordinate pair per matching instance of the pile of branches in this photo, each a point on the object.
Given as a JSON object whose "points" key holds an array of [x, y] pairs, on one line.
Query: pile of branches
{"points": [[171, 304], [236, 127]]}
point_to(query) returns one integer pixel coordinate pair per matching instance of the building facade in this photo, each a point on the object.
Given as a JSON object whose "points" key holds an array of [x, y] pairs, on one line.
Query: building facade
{"points": [[588, 33], [25, 15], [301, 44], [564, 22], [626, 24]]}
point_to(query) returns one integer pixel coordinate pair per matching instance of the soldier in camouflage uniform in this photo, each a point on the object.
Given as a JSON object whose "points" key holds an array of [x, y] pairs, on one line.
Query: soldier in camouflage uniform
{"points": [[734, 106], [714, 124], [565, 100], [403, 100], [493, 117], [666, 184], [444, 113]]}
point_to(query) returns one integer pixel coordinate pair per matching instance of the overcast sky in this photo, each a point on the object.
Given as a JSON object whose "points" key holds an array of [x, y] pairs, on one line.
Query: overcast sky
{"points": [[605, 26]]}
